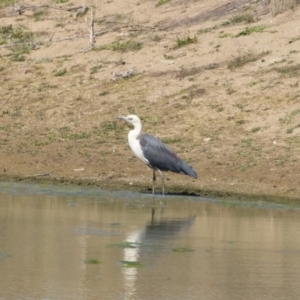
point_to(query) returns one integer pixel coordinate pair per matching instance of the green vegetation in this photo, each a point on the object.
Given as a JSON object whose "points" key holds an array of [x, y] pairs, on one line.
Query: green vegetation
{"points": [[243, 59], [6, 2], [39, 14], [243, 18], [121, 46], [110, 128], [188, 39], [206, 30], [162, 2], [131, 264], [255, 129], [19, 38], [289, 117], [250, 30], [95, 69], [92, 261], [60, 72], [292, 70]]}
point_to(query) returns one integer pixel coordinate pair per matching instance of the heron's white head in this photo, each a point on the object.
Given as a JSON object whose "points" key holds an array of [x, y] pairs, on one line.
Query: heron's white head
{"points": [[132, 119]]}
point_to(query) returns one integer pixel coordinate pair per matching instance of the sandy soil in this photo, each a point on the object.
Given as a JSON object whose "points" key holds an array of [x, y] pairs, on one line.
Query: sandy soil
{"points": [[218, 81]]}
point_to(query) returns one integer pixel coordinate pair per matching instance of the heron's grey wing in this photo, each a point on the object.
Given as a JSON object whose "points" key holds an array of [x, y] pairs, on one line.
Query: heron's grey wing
{"points": [[158, 154], [161, 157]]}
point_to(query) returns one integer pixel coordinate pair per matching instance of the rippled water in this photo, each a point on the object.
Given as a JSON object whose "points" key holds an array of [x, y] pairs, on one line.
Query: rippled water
{"points": [[80, 243]]}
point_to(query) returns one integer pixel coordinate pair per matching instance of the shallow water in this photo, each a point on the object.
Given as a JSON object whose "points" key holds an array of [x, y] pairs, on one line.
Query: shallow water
{"points": [[71, 243]]}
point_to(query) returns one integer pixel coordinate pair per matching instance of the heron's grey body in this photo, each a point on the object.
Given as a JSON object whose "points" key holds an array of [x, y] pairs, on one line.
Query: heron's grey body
{"points": [[154, 153]]}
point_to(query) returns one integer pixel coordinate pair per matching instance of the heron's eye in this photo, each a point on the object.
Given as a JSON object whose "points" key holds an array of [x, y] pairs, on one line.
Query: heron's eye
{"points": [[130, 119]]}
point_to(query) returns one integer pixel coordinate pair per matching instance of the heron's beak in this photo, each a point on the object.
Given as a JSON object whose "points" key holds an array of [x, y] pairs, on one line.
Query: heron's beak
{"points": [[121, 118]]}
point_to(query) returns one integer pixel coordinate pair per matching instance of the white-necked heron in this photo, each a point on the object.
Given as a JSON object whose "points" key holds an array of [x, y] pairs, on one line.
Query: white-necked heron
{"points": [[154, 153]]}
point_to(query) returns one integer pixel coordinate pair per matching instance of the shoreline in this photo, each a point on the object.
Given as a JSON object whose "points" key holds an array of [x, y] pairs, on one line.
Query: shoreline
{"points": [[178, 190]]}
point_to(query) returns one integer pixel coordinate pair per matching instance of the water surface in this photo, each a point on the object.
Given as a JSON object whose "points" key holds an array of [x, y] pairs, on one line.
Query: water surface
{"points": [[80, 243]]}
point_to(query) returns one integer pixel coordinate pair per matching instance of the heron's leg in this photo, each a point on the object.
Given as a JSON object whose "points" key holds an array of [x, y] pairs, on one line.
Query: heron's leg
{"points": [[162, 180], [153, 182]]}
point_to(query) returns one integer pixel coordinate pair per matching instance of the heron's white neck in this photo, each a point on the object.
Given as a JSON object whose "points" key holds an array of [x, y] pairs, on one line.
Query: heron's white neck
{"points": [[135, 132]]}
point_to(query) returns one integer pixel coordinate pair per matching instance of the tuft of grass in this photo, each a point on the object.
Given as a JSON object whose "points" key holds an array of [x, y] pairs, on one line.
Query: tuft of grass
{"points": [[109, 127], [39, 14], [289, 70], [186, 40], [44, 60], [60, 72], [20, 38], [131, 264], [121, 46], [162, 2], [294, 39], [206, 30], [171, 140], [92, 261], [241, 60], [289, 117], [4, 3], [95, 69], [244, 18], [255, 129], [104, 93], [250, 30], [230, 90], [225, 35], [290, 130]]}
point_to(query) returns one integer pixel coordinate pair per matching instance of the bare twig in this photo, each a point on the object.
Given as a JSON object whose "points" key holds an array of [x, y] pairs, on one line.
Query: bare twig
{"points": [[91, 28], [20, 9], [92, 36]]}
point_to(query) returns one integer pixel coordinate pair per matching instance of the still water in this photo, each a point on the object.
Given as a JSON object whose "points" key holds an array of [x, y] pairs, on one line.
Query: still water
{"points": [[81, 243]]}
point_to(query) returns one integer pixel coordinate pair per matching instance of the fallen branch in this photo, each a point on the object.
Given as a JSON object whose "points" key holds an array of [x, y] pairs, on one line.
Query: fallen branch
{"points": [[20, 9]]}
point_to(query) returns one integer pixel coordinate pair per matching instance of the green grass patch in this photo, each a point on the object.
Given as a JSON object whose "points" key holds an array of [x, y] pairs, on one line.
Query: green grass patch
{"points": [[255, 129], [95, 69], [6, 3], [186, 40], [121, 46], [206, 30], [243, 59], [250, 30], [92, 261], [111, 128], [290, 116], [40, 14], [243, 18], [60, 72], [162, 2], [20, 38], [131, 264], [289, 70]]}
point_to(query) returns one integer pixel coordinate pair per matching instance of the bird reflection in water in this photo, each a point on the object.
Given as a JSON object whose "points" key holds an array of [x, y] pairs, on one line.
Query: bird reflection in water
{"points": [[158, 231]]}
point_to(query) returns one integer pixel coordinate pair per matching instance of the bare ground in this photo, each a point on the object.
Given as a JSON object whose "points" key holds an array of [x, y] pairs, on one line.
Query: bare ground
{"points": [[226, 99]]}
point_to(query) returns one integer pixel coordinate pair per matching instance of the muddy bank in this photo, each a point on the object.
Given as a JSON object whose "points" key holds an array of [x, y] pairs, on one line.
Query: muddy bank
{"points": [[110, 184]]}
